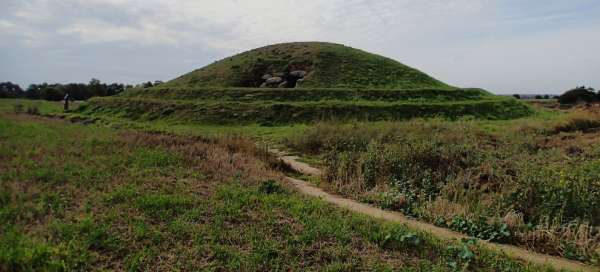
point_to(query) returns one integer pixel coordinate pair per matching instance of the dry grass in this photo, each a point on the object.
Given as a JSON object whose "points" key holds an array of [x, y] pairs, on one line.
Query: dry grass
{"points": [[550, 238], [445, 209], [490, 177]]}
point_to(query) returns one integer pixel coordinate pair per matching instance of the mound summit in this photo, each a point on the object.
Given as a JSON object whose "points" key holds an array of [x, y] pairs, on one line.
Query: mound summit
{"points": [[307, 64], [303, 82]]}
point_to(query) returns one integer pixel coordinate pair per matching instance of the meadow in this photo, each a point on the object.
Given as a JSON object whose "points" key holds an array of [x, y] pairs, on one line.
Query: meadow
{"points": [[113, 197], [532, 182]]}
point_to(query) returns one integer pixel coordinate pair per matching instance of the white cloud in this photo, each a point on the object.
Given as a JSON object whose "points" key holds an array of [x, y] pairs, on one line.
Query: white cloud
{"points": [[467, 42], [94, 31], [6, 25]]}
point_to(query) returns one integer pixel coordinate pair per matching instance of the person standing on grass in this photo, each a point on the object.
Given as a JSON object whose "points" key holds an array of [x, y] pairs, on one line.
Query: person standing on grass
{"points": [[67, 97]]}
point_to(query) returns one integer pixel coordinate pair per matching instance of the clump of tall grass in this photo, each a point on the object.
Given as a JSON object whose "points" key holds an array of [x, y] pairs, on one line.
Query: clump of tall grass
{"points": [[31, 109], [501, 185], [579, 120]]}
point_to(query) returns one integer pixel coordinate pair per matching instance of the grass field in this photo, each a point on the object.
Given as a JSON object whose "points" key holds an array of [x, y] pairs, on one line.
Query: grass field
{"points": [[530, 182], [99, 197]]}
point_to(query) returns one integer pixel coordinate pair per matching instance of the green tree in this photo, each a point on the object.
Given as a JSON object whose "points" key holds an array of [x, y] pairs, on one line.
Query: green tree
{"points": [[577, 95], [10, 90], [97, 88]]}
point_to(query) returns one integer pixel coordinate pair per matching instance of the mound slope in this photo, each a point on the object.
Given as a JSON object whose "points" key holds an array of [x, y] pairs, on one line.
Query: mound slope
{"points": [[315, 64], [303, 83]]}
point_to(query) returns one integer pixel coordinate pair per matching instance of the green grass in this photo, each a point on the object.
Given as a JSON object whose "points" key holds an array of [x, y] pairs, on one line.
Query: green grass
{"points": [[22, 105], [281, 113], [329, 66], [308, 94], [87, 197]]}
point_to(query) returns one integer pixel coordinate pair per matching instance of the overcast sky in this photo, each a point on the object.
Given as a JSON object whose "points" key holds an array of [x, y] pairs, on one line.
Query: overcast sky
{"points": [[505, 46]]}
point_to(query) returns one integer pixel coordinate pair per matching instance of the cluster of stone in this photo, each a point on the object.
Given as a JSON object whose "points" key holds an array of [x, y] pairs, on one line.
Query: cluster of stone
{"points": [[280, 80]]}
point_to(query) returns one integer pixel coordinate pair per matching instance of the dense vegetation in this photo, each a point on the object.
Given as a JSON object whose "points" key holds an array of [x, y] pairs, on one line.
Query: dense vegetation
{"points": [[81, 198], [10, 90], [533, 183], [579, 95], [328, 66]]}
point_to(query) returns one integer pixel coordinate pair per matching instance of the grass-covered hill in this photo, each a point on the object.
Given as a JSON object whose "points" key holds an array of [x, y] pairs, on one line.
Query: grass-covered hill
{"points": [[303, 83], [324, 65], [288, 106]]}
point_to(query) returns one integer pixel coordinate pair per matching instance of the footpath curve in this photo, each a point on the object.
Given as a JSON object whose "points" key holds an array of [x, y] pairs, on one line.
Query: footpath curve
{"points": [[442, 233]]}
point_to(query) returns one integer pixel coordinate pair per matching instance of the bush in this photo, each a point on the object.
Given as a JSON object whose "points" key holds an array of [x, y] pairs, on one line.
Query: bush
{"points": [[33, 110], [579, 94], [270, 187]]}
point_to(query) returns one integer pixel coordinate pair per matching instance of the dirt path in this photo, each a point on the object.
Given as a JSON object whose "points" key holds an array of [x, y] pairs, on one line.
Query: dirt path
{"points": [[512, 251]]}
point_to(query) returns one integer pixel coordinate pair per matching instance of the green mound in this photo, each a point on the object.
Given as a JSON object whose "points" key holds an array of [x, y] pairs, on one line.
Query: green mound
{"points": [[324, 65], [302, 83]]}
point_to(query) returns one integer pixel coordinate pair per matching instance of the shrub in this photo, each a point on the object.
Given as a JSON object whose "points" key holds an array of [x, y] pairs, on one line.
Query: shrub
{"points": [[480, 228], [579, 94], [270, 187], [400, 238], [33, 110]]}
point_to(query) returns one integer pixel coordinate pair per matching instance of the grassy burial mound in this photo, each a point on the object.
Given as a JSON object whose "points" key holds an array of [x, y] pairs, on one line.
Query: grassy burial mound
{"points": [[305, 82], [314, 64]]}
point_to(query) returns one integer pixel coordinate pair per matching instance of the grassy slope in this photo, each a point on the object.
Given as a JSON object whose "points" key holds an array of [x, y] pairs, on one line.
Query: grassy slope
{"points": [[91, 198], [281, 113], [343, 83], [308, 94], [330, 66]]}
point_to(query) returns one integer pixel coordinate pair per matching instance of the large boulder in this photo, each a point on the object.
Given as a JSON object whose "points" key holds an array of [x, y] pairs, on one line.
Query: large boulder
{"points": [[298, 74], [274, 81]]}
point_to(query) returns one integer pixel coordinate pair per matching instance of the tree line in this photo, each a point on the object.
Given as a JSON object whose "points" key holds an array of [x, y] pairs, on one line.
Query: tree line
{"points": [[76, 91], [579, 94]]}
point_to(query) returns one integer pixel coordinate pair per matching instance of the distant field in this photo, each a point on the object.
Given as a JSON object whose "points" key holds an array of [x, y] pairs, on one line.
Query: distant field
{"points": [[92, 197]]}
